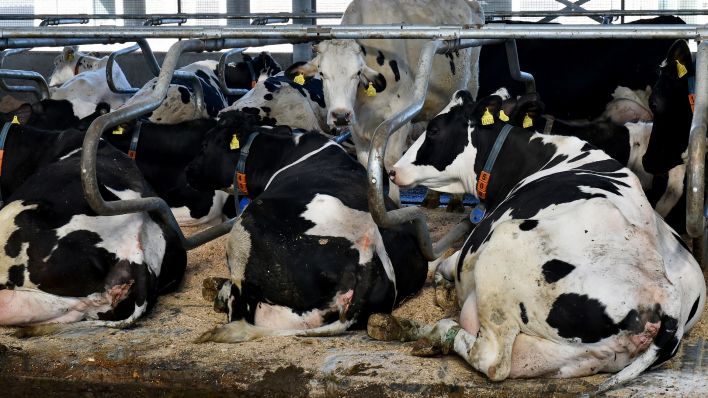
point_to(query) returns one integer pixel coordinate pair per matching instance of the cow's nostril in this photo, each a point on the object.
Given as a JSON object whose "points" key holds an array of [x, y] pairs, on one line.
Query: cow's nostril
{"points": [[392, 174]]}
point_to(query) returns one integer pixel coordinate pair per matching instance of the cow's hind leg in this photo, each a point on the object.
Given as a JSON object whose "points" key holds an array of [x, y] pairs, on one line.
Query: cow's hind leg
{"points": [[488, 352]]}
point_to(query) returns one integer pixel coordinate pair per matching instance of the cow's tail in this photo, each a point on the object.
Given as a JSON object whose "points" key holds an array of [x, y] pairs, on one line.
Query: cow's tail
{"points": [[240, 331], [663, 348]]}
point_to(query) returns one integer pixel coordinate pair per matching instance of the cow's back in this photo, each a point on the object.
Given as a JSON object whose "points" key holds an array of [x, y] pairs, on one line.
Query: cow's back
{"points": [[443, 80]]}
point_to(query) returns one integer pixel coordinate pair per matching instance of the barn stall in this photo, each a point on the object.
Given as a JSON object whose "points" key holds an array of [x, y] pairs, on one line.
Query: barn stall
{"points": [[158, 356]]}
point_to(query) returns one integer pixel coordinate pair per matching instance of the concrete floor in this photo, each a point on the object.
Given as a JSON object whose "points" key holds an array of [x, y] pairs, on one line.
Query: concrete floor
{"points": [[158, 358]]}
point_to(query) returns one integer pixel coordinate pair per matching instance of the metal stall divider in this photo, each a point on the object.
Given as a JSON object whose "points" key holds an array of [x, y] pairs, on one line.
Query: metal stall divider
{"points": [[90, 146], [150, 60], [222, 73], [40, 91]]}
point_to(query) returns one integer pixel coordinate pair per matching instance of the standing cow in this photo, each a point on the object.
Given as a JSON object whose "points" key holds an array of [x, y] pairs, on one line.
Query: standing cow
{"points": [[570, 273], [368, 81]]}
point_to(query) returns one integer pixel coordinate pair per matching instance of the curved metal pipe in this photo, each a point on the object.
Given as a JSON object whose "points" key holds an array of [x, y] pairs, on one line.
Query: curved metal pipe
{"points": [[196, 86], [89, 179], [109, 70], [695, 218], [150, 59], [222, 73], [512, 56], [41, 91]]}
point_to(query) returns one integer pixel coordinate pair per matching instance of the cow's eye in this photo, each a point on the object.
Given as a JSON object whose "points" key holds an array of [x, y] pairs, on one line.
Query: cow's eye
{"points": [[432, 131]]}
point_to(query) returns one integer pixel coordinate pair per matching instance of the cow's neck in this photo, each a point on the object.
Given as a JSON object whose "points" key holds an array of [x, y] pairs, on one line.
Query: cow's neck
{"points": [[519, 157], [28, 149], [270, 153]]}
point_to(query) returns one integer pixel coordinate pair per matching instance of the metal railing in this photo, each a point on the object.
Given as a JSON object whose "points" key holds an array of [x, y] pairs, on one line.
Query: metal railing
{"points": [[216, 38], [150, 60], [222, 73]]}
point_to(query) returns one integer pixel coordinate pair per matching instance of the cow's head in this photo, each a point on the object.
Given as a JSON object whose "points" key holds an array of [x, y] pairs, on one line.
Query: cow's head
{"points": [[342, 67], [250, 70], [443, 157], [214, 167], [672, 111], [70, 63]]}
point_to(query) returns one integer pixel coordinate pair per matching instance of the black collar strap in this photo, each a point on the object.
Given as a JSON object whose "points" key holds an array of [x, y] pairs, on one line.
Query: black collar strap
{"points": [[133, 151], [479, 211], [3, 137], [78, 63], [486, 174], [254, 78], [240, 175]]}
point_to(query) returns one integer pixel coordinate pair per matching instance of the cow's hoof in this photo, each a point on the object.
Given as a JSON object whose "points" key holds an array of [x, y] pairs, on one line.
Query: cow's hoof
{"points": [[211, 287], [445, 294], [386, 327], [455, 207], [426, 348]]}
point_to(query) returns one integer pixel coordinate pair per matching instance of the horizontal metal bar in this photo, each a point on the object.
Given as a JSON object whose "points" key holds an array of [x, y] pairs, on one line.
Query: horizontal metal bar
{"points": [[337, 15], [57, 42], [325, 32], [695, 191]]}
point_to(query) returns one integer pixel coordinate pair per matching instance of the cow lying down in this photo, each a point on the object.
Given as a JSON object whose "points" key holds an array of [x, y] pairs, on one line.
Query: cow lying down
{"points": [[60, 262], [305, 257], [570, 273]]}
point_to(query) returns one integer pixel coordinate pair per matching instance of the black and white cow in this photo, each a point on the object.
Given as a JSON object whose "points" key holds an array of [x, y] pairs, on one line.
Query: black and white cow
{"points": [[80, 78], [673, 113], [162, 154], [247, 73], [570, 273], [180, 103], [308, 196], [60, 262], [368, 81], [279, 100]]}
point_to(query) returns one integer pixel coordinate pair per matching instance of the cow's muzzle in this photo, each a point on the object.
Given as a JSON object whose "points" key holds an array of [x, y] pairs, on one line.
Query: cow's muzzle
{"points": [[341, 118]]}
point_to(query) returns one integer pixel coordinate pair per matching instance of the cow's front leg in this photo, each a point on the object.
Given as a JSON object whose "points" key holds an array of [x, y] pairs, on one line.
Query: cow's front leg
{"points": [[445, 294]]}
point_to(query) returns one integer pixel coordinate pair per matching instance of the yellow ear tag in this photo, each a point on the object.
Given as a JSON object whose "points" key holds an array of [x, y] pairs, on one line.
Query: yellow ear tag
{"points": [[371, 91], [502, 116], [681, 69], [118, 131], [487, 118], [70, 57], [299, 79], [15, 120], [528, 122], [234, 143]]}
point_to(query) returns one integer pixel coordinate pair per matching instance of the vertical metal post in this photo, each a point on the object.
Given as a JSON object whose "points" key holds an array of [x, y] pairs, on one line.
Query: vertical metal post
{"points": [[134, 7], [236, 7], [695, 192], [303, 52]]}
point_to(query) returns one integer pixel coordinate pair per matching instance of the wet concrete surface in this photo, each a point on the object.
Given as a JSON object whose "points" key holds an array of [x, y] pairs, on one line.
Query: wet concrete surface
{"points": [[157, 357]]}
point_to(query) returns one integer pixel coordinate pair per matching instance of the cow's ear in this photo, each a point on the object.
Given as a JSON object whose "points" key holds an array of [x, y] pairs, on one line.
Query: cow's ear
{"points": [[23, 113], [679, 60], [246, 58], [527, 104], [369, 75], [486, 107], [69, 53], [307, 69]]}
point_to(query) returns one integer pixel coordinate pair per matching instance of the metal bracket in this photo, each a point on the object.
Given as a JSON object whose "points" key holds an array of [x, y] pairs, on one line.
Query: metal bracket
{"points": [[89, 179], [157, 21], [695, 190], [149, 59], [40, 91], [63, 21], [222, 73]]}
